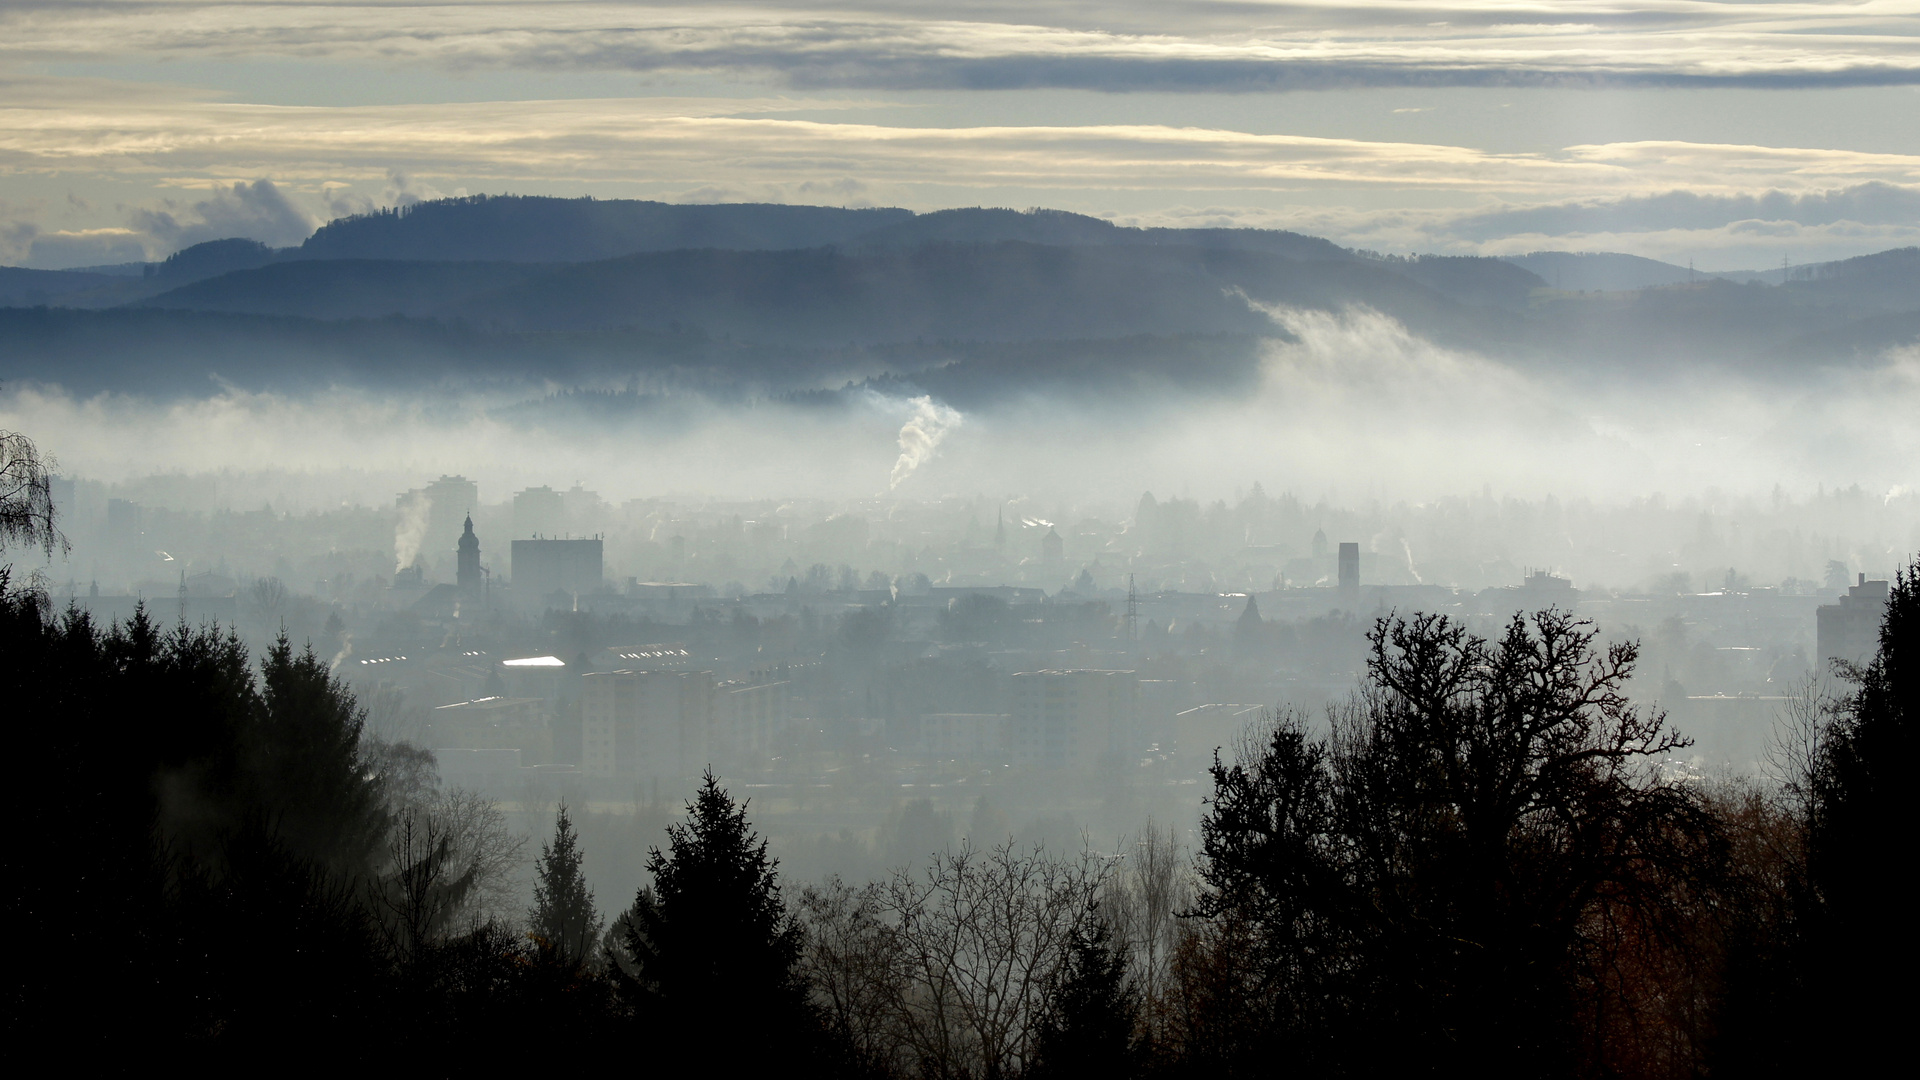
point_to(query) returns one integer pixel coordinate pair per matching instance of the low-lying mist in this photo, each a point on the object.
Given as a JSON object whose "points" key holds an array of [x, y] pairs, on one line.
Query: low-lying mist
{"points": [[1349, 407]]}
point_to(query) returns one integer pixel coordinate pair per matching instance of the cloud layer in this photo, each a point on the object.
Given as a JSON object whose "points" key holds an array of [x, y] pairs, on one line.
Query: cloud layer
{"points": [[203, 155], [1129, 44]]}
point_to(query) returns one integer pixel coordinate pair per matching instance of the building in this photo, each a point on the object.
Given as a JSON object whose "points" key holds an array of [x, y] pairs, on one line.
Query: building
{"points": [[493, 723], [1071, 719], [982, 737], [442, 504], [749, 715], [547, 677], [544, 567], [646, 724], [539, 511], [1350, 572], [1052, 548], [1850, 629]]}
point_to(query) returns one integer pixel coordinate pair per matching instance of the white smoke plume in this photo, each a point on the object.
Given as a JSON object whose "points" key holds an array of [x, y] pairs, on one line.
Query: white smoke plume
{"points": [[921, 435], [412, 530]]}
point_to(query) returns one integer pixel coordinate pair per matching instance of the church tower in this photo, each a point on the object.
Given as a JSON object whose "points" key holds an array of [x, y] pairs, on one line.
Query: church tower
{"points": [[467, 576]]}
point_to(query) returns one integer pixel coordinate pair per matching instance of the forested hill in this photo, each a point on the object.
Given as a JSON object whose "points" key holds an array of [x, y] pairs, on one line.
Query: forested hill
{"points": [[534, 229], [1009, 291], [488, 277]]}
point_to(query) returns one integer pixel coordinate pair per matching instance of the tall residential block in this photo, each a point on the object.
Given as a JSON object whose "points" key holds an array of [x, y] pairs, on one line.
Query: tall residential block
{"points": [[1071, 719], [646, 724]]}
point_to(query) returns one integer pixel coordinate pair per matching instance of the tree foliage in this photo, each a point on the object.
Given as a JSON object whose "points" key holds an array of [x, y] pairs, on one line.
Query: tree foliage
{"points": [[710, 940], [563, 921], [27, 514], [1450, 860], [1861, 814]]}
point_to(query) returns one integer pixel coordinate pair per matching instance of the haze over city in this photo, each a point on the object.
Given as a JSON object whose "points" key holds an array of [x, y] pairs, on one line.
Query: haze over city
{"points": [[589, 517]]}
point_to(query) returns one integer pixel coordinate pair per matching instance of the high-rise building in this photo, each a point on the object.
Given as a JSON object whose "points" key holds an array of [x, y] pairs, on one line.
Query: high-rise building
{"points": [[1350, 571], [1850, 629], [646, 724], [435, 511], [544, 567], [1071, 719], [539, 511]]}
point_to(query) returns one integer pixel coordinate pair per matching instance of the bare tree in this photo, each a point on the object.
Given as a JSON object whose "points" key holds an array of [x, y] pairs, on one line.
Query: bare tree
{"points": [[267, 599], [1793, 753], [27, 513], [1142, 900], [423, 889], [978, 940], [483, 849], [850, 965]]}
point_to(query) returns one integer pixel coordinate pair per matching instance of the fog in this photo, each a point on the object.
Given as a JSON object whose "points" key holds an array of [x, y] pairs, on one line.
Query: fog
{"points": [[1347, 406]]}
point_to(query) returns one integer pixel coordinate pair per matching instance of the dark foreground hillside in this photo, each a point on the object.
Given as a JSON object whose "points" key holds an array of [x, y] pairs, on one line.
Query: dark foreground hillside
{"points": [[1481, 870]]}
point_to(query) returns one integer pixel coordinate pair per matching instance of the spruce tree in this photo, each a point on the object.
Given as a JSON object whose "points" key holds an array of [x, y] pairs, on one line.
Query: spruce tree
{"points": [[710, 947], [562, 920], [1859, 923]]}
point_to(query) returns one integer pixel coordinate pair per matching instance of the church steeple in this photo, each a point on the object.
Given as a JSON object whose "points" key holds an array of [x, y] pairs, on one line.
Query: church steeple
{"points": [[467, 576]]}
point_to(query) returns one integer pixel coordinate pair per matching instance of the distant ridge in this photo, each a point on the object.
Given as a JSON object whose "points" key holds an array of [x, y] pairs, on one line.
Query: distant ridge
{"points": [[526, 228], [1602, 271], [1063, 228]]}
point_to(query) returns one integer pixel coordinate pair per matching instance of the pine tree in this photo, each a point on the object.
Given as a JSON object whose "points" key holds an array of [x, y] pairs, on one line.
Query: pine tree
{"points": [[562, 920], [710, 942]]}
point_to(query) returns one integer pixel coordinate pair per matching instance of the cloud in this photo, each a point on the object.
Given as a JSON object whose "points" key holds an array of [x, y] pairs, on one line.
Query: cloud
{"points": [[1871, 203], [255, 211], [66, 248], [626, 140], [1126, 45]]}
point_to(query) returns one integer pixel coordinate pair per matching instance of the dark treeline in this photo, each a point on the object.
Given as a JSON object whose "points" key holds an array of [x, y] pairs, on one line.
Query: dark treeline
{"points": [[1481, 862]]}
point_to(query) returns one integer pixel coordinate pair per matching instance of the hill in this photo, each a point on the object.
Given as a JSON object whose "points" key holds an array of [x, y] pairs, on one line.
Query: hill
{"points": [[1007, 291], [511, 228], [1602, 271]]}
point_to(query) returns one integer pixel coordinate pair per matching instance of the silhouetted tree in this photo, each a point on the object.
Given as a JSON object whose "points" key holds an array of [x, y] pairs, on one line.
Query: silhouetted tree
{"points": [[562, 920], [1861, 939], [27, 513], [195, 835], [710, 950], [1092, 1013], [1452, 861]]}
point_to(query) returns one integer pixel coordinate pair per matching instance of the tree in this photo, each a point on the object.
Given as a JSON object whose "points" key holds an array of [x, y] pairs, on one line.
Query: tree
{"points": [[562, 921], [709, 948], [1092, 1012], [976, 940], [1862, 821], [27, 513], [1459, 857]]}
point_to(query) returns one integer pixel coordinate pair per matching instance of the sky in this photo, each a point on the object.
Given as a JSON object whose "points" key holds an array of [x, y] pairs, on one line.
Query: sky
{"points": [[1732, 135]]}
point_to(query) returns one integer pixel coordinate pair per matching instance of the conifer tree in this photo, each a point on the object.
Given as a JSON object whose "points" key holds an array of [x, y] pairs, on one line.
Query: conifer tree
{"points": [[562, 920], [711, 942], [1859, 923], [1092, 1012]]}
